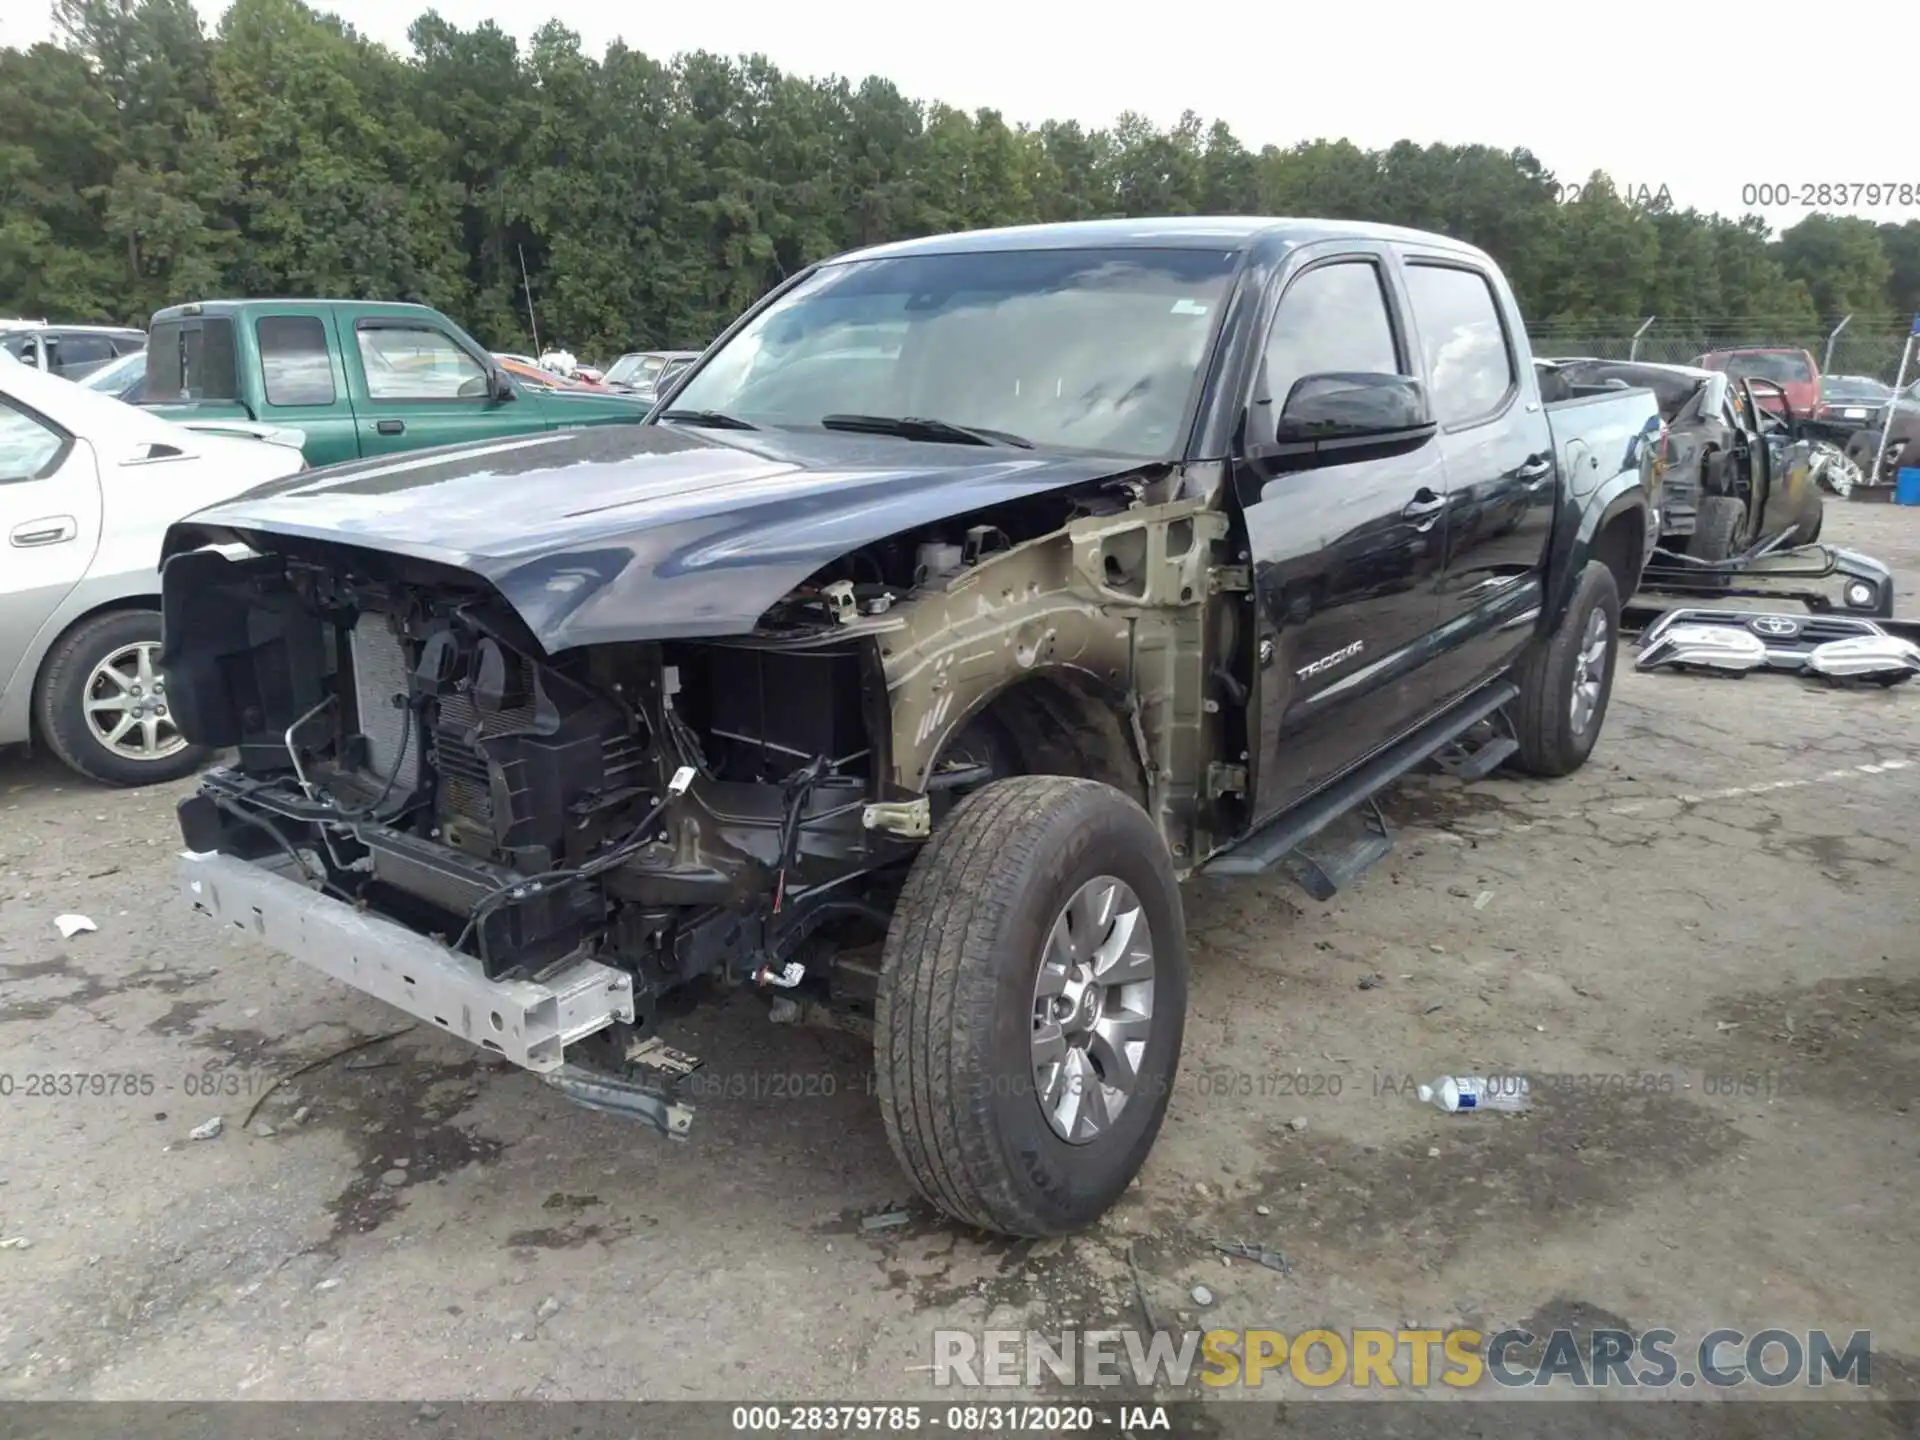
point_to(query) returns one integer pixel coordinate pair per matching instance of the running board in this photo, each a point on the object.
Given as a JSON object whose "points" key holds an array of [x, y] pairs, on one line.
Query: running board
{"points": [[1274, 845]]}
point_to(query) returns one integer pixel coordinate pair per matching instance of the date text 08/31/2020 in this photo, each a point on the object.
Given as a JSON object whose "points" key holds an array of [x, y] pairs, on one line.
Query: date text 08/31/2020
{"points": [[130, 1084], [960, 1419]]}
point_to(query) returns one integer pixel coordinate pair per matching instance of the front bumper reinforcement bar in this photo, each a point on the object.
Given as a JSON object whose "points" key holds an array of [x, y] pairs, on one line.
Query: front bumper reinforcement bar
{"points": [[530, 1022]]}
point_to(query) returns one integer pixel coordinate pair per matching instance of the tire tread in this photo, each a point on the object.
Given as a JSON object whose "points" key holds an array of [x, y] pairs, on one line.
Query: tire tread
{"points": [[937, 993], [65, 671]]}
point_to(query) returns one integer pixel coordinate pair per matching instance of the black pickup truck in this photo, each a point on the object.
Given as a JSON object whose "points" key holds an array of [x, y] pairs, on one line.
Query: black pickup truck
{"points": [[967, 595]]}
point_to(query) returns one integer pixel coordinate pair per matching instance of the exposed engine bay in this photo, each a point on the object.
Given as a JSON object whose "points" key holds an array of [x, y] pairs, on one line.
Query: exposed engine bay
{"points": [[734, 810]]}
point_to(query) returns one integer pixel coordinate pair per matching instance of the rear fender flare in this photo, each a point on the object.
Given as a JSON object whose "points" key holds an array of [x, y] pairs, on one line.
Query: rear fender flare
{"points": [[1623, 495]]}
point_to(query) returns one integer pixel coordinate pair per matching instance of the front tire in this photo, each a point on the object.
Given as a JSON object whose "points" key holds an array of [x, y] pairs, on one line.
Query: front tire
{"points": [[1566, 683], [1032, 998], [101, 703]]}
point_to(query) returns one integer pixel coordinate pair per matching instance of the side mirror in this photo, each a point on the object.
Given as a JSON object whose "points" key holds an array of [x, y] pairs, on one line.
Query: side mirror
{"points": [[1329, 417], [499, 387]]}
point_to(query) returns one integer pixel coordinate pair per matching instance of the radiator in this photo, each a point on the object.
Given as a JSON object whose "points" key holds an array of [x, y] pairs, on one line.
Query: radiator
{"points": [[380, 672], [465, 786]]}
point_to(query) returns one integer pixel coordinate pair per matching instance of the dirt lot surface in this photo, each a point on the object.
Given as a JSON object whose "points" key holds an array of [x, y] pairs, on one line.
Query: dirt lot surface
{"points": [[1724, 897]]}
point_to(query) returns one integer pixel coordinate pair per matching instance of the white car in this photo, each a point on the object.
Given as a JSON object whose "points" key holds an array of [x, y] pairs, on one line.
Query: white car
{"points": [[88, 486]]}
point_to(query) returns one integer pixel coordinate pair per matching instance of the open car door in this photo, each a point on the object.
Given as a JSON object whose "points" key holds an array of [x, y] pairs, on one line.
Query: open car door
{"points": [[1785, 495]]}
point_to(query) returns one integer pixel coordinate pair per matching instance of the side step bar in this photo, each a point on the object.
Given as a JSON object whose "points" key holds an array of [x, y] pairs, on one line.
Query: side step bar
{"points": [[1281, 843], [1469, 763]]}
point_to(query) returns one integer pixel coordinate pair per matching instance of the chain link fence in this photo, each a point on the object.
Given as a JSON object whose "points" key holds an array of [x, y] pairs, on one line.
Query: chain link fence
{"points": [[1855, 350]]}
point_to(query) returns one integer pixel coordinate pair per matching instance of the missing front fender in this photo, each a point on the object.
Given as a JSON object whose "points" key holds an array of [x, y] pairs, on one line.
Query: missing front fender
{"points": [[1112, 607]]}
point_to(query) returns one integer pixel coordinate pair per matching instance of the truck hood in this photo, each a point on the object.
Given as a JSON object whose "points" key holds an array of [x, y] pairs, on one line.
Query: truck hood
{"points": [[622, 533]]}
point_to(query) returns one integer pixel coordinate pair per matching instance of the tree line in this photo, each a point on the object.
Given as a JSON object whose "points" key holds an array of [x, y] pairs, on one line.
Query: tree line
{"points": [[145, 161]]}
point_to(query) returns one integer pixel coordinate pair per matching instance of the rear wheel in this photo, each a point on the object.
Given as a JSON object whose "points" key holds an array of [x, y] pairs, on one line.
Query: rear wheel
{"points": [[1566, 683], [1032, 999], [101, 704]]}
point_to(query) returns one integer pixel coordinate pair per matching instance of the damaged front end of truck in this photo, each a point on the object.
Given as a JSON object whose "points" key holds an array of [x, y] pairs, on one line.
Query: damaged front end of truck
{"points": [[541, 790]]}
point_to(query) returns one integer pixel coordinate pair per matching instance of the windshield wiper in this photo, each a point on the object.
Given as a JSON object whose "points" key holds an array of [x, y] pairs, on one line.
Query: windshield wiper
{"points": [[712, 419], [914, 427]]}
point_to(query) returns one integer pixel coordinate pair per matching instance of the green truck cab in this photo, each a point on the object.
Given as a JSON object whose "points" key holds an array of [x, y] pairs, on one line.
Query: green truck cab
{"points": [[358, 377]]}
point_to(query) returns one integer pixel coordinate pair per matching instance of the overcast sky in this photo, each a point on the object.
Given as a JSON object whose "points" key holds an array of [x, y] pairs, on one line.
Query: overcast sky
{"points": [[1705, 103]]}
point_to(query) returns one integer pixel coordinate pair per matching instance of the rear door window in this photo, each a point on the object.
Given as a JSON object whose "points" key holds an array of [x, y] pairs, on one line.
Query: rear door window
{"points": [[295, 366], [1469, 358], [79, 353]]}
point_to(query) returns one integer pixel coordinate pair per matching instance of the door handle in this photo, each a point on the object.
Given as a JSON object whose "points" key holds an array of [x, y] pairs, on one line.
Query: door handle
{"points": [[391, 427], [1537, 468], [1425, 505], [50, 531]]}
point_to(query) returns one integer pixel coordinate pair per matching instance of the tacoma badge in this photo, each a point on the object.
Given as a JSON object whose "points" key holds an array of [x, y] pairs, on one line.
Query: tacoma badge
{"points": [[1327, 662]]}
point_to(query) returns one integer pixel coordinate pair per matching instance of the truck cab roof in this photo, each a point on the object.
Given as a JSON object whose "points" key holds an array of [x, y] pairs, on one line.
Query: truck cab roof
{"points": [[1185, 232], [197, 308]]}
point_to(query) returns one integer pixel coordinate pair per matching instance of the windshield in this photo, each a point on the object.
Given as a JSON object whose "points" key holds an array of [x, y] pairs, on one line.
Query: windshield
{"points": [[1836, 389], [1073, 349], [631, 369], [118, 375], [1781, 368]]}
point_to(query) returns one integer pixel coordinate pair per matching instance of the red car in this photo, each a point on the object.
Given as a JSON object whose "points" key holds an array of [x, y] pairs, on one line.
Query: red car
{"points": [[1794, 371]]}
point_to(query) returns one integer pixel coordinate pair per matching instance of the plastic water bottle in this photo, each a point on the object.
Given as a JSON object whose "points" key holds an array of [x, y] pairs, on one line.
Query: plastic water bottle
{"points": [[1475, 1092]]}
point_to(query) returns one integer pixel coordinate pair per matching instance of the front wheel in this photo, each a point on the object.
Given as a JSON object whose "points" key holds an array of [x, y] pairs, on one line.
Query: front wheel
{"points": [[1565, 683], [102, 707], [1032, 997]]}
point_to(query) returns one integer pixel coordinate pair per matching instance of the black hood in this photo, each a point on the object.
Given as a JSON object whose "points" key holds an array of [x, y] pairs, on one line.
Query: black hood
{"points": [[641, 532]]}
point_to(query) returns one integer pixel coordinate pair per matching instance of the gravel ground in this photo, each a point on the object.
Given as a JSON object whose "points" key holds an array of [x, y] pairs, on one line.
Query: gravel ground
{"points": [[1726, 889]]}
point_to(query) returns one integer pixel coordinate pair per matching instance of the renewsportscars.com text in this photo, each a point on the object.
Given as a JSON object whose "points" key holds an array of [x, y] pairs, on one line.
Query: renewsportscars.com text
{"points": [[1413, 1359]]}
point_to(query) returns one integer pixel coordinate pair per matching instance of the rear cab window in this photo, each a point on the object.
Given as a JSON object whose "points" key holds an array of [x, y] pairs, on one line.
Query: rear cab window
{"points": [[1471, 374], [296, 364], [191, 359]]}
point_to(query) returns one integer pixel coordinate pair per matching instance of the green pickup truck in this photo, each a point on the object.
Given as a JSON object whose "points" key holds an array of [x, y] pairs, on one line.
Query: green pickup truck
{"points": [[357, 377]]}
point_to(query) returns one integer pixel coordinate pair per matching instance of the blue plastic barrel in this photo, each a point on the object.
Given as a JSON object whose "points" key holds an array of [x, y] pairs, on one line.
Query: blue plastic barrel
{"points": [[1906, 486]]}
